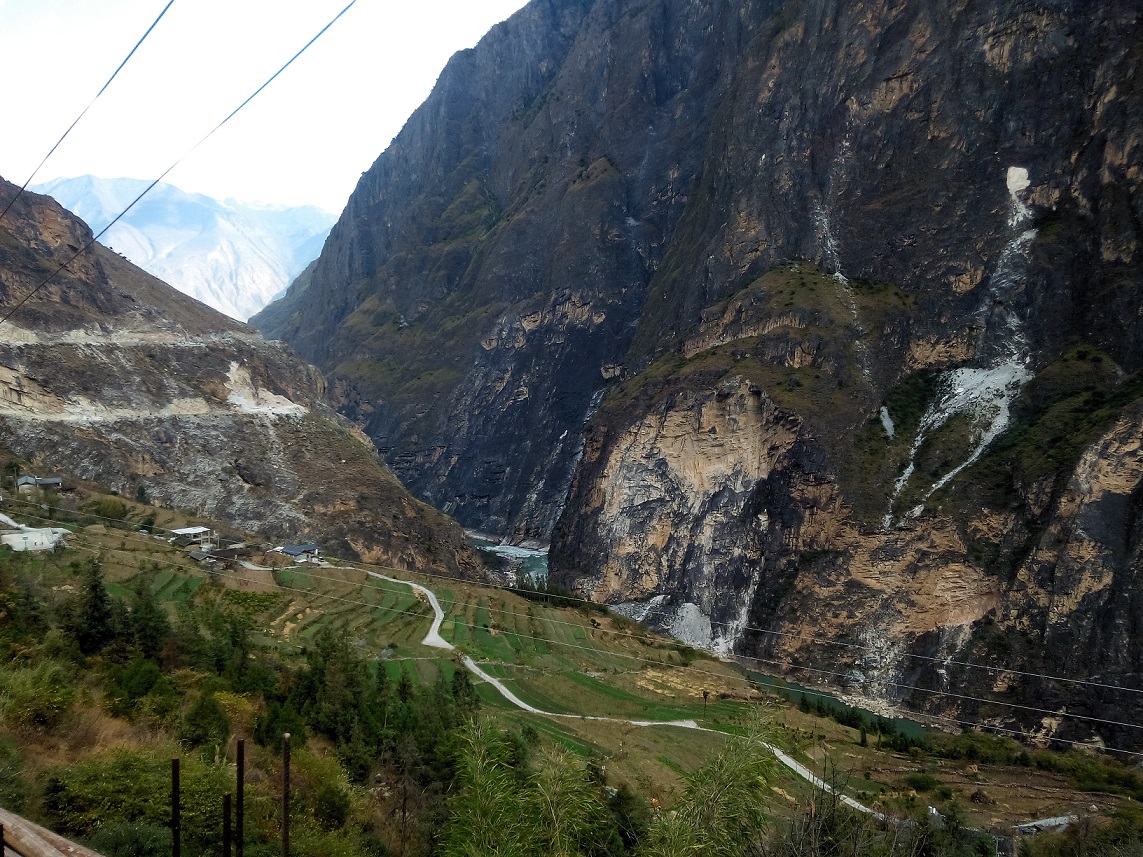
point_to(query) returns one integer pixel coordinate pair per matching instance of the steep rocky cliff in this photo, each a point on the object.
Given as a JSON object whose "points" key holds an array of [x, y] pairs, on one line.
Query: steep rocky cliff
{"points": [[487, 275], [110, 375], [804, 319], [749, 496]]}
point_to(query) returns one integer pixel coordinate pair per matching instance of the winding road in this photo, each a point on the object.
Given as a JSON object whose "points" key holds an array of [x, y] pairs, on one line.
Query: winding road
{"points": [[434, 639]]}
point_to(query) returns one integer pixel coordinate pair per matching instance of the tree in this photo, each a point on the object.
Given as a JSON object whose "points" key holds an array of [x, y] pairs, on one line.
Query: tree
{"points": [[510, 803], [489, 814], [463, 690], [95, 626], [632, 815], [149, 624], [331, 806], [205, 723], [723, 809], [279, 719]]}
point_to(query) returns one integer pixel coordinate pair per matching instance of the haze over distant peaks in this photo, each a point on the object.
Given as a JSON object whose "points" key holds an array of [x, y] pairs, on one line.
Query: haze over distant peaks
{"points": [[233, 256]]}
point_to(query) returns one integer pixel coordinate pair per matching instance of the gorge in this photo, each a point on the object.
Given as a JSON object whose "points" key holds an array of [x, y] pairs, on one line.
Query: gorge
{"points": [[808, 330]]}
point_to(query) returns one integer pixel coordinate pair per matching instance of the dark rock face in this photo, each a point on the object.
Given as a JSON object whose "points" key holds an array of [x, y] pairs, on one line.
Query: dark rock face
{"points": [[593, 174], [530, 201], [783, 318], [111, 376]]}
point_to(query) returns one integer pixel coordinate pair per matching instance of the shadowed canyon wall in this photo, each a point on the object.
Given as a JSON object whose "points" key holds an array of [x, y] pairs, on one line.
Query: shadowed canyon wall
{"points": [[786, 321]]}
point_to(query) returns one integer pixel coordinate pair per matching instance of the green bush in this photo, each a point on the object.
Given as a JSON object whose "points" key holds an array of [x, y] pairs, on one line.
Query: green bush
{"points": [[331, 806], [921, 782], [13, 789], [128, 787], [979, 747], [110, 507], [121, 839], [205, 723], [36, 697]]}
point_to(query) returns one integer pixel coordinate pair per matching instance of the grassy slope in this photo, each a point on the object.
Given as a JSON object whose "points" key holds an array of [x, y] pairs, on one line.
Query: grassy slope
{"points": [[564, 660]]}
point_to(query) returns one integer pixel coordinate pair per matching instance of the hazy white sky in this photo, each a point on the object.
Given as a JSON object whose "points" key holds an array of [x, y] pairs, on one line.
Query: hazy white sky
{"points": [[306, 139]]}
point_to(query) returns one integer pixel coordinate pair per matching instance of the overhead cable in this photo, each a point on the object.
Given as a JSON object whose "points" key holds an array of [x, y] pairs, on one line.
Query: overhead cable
{"points": [[571, 600], [181, 158], [51, 151], [788, 664]]}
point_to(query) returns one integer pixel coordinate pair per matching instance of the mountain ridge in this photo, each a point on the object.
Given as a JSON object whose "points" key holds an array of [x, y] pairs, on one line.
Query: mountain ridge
{"points": [[235, 257], [114, 377]]}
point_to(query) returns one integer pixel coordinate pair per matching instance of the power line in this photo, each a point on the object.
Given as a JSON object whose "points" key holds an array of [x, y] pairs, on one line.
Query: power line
{"points": [[933, 692], [1088, 681], [84, 111], [577, 600], [505, 612], [181, 158]]}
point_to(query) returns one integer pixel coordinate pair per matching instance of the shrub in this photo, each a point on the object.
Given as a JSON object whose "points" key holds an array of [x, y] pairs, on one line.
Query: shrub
{"points": [[132, 840], [331, 806], [922, 782], [205, 723], [127, 787], [37, 697], [13, 790], [110, 507]]}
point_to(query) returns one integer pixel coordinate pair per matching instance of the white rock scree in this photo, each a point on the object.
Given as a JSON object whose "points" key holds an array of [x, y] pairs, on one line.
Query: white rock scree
{"points": [[988, 391]]}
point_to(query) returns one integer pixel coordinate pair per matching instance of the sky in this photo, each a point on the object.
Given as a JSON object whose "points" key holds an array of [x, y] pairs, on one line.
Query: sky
{"points": [[305, 139]]}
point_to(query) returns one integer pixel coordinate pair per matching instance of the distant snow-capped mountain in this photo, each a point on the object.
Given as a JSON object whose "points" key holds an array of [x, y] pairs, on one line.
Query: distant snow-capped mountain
{"points": [[235, 257]]}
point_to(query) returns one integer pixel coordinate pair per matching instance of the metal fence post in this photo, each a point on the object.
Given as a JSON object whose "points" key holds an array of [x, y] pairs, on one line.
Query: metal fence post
{"points": [[176, 821], [286, 795], [240, 809], [226, 825]]}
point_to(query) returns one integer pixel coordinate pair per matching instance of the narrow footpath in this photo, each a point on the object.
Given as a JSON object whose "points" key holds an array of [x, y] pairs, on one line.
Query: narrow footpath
{"points": [[434, 639]]}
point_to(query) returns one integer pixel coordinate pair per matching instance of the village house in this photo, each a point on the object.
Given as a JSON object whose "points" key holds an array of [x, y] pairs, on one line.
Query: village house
{"points": [[301, 553], [193, 536], [33, 539], [28, 484]]}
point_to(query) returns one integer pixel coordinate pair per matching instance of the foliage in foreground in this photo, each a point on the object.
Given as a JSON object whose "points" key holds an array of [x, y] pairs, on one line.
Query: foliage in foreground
{"points": [[383, 764], [510, 803]]}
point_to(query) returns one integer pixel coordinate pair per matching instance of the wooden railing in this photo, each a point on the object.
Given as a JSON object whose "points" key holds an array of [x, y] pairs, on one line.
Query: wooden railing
{"points": [[23, 838]]}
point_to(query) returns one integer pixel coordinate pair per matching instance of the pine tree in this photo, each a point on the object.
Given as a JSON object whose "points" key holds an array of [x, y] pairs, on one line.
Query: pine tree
{"points": [[96, 625], [723, 812], [206, 722], [149, 623]]}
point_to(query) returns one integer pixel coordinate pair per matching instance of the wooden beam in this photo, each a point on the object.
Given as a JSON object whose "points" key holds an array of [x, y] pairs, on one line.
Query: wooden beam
{"points": [[23, 838]]}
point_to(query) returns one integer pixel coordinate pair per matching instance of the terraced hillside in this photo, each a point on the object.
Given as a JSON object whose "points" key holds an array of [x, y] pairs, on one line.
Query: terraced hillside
{"points": [[578, 660]]}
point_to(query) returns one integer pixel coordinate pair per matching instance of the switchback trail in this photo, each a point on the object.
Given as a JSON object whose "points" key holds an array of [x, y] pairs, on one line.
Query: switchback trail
{"points": [[434, 639]]}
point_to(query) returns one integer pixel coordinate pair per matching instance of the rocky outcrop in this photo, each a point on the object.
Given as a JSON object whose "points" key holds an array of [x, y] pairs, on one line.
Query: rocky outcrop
{"points": [[487, 275], [889, 252], [113, 377], [672, 520], [724, 497]]}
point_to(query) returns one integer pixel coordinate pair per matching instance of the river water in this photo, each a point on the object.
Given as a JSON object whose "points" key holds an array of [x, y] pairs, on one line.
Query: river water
{"points": [[525, 560]]}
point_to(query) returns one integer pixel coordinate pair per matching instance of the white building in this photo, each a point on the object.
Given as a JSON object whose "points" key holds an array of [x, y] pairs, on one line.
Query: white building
{"points": [[43, 539]]}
